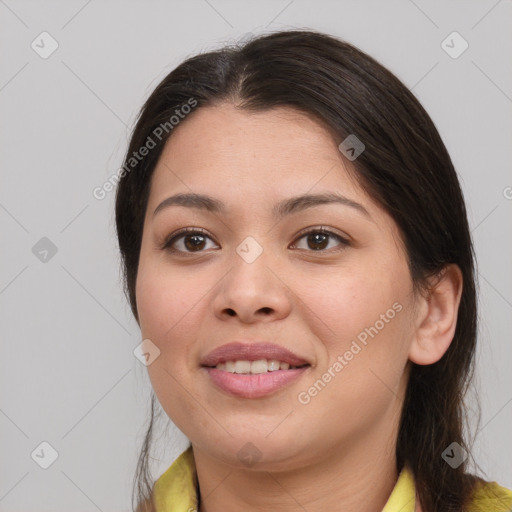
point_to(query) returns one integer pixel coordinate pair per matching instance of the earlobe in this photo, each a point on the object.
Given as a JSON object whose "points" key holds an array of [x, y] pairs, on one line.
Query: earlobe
{"points": [[437, 317]]}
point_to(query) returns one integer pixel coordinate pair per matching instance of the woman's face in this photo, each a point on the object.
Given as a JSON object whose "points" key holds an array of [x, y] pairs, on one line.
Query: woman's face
{"points": [[260, 272]]}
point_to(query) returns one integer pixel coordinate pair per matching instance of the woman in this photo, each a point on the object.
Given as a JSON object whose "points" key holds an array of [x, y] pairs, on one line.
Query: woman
{"points": [[296, 252]]}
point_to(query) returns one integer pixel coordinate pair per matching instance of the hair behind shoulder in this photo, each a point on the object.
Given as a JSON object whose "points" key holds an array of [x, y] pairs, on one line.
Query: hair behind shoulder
{"points": [[146, 505]]}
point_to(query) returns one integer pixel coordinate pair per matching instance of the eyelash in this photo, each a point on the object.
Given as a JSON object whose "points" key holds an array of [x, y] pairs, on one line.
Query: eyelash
{"points": [[170, 240]]}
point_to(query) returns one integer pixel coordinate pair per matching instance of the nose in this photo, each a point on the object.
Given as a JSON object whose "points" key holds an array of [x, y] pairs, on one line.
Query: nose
{"points": [[252, 291]]}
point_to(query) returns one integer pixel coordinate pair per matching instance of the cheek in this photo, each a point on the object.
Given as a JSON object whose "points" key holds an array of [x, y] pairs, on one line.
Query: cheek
{"points": [[166, 302], [365, 348], [168, 306], [172, 307], [345, 303], [361, 318]]}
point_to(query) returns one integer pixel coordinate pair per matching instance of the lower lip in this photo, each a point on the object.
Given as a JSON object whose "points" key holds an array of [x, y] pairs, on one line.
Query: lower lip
{"points": [[254, 386]]}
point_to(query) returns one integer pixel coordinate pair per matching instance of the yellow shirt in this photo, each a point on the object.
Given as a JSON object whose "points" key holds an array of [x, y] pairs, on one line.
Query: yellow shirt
{"points": [[175, 491]]}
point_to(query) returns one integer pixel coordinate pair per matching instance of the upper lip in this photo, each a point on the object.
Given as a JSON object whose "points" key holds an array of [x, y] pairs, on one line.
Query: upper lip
{"points": [[240, 351]]}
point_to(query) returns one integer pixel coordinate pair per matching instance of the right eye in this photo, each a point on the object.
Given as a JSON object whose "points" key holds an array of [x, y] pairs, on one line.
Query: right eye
{"points": [[186, 240]]}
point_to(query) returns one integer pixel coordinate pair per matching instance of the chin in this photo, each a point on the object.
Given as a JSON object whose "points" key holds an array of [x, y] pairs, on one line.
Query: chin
{"points": [[257, 451]]}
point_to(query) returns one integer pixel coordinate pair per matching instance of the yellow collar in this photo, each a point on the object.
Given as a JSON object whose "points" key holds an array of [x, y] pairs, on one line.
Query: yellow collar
{"points": [[176, 491]]}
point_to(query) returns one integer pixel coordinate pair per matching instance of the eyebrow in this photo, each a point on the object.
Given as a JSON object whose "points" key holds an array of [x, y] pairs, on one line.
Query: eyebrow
{"points": [[280, 210]]}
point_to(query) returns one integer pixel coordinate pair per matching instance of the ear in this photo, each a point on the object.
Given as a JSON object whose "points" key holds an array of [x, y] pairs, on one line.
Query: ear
{"points": [[437, 317]]}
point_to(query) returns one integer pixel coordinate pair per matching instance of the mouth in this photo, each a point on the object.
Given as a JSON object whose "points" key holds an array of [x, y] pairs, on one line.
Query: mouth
{"points": [[242, 355], [253, 370], [245, 367]]}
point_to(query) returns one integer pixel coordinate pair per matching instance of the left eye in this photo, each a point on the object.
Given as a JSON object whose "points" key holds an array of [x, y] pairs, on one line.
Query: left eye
{"points": [[195, 240], [318, 239]]}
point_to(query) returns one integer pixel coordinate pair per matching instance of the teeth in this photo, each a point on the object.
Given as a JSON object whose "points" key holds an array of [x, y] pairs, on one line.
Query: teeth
{"points": [[253, 367], [260, 366], [273, 365], [242, 367]]}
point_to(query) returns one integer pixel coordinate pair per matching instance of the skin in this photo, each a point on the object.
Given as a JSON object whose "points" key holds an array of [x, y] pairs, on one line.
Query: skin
{"points": [[338, 451]]}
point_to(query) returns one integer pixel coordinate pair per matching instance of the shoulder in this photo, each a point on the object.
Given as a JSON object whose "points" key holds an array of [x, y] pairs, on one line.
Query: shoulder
{"points": [[490, 497]]}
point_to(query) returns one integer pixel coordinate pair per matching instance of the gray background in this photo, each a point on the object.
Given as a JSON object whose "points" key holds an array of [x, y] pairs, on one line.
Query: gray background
{"points": [[68, 373]]}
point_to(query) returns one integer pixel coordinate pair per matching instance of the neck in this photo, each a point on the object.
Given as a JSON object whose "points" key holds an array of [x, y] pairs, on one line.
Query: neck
{"points": [[356, 478]]}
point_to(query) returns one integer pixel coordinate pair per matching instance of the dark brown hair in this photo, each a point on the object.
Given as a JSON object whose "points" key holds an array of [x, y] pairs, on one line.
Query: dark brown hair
{"points": [[405, 167]]}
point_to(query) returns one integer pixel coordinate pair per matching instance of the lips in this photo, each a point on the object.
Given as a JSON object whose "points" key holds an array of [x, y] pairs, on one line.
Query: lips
{"points": [[276, 367], [239, 351]]}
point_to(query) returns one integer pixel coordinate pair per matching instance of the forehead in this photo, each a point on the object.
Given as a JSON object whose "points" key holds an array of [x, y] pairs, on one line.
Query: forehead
{"points": [[273, 152]]}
